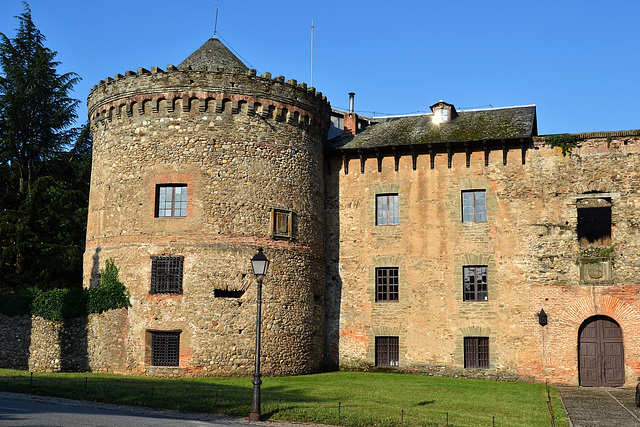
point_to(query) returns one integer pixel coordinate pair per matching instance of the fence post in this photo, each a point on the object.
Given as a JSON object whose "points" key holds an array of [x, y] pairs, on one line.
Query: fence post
{"points": [[339, 404]]}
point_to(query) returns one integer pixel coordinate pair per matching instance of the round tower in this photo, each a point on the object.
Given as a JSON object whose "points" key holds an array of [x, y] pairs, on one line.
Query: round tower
{"points": [[194, 168]]}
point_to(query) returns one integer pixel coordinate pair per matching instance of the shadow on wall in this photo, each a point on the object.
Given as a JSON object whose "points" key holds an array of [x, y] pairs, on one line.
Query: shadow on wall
{"points": [[333, 290], [15, 336]]}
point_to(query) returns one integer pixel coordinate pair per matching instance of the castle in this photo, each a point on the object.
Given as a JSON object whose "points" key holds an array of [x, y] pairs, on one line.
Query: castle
{"points": [[455, 242]]}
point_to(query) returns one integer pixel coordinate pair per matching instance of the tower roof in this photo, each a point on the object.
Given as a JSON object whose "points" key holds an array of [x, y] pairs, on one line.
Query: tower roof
{"points": [[211, 55]]}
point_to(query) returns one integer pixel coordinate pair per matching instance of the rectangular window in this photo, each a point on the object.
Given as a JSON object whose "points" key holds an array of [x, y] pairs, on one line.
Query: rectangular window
{"points": [[594, 221], [386, 209], [387, 351], [387, 284], [166, 274], [171, 200], [476, 352], [281, 224], [165, 348], [474, 206], [475, 283]]}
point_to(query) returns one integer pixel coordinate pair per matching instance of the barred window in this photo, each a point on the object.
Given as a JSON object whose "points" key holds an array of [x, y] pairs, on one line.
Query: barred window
{"points": [[474, 206], [171, 200], [166, 274], [475, 283], [476, 352], [387, 284], [387, 351], [387, 209], [165, 348]]}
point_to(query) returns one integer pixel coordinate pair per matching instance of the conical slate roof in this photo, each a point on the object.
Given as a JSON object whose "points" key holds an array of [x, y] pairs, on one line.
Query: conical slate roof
{"points": [[211, 55]]}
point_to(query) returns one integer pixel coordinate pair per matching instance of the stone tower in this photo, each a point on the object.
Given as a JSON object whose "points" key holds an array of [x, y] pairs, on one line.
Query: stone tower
{"points": [[194, 168]]}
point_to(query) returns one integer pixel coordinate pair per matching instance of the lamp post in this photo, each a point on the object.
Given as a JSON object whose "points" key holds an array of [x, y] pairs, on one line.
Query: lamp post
{"points": [[259, 263]]}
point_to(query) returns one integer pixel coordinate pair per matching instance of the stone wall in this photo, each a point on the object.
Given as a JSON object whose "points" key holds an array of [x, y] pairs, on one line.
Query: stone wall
{"points": [[96, 343], [244, 146], [529, 243]]}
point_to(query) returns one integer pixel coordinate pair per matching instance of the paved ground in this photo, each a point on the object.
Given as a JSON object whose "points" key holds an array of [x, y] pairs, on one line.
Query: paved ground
{"points": [[601, 406]]}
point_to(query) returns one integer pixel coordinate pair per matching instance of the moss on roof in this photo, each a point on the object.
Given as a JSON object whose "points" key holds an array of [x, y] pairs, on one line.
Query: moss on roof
{"points": [[475, 125]]}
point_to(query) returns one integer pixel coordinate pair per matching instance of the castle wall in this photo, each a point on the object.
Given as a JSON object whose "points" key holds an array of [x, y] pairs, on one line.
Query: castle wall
{"points": [[528, 243], [244, 146]]}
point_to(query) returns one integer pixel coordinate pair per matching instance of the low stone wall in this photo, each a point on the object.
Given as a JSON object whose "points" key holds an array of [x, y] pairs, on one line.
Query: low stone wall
{"points": [[94, 343]]}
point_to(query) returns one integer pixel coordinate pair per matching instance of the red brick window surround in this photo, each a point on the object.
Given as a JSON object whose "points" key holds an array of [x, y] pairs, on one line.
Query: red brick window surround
{"points": [[171, 200], [476, 352], [474, 208], [475, 283], [165, 348], [387, 351], [166, 274], [387, 284]]}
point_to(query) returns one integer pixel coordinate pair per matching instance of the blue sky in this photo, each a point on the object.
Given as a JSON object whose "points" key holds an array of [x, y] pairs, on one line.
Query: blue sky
{"points": [[578, 61]]}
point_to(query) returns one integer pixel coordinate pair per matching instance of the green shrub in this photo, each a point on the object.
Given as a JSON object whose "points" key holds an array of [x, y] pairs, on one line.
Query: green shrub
{"points": [[58, 304], [565, 141]]}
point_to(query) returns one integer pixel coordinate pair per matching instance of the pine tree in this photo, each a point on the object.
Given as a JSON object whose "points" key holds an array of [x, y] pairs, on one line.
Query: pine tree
{"points": [[44, 184]]}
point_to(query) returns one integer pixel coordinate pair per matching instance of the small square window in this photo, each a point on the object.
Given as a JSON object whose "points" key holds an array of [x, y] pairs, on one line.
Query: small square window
{"points": [[281, 224], [166, 274], [386, 209], [165, 348], [476, 352], [387, 351], [171, 200], [386, 284], [475, 283], [474, 206]]}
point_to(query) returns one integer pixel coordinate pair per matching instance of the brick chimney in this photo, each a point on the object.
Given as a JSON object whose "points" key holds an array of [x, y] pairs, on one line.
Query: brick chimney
{"points": [[350, 119]]}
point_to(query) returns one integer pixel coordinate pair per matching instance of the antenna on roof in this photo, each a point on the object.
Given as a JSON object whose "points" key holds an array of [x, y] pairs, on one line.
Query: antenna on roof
{"points": [[312, 53], [215, 27]]}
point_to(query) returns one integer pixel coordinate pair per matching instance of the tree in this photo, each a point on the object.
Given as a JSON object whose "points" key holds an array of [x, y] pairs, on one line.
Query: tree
{"points": [[44, 163]]}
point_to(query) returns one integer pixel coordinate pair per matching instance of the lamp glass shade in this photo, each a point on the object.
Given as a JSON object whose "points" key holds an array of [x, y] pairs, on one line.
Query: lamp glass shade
{"points": [[259, 263]]}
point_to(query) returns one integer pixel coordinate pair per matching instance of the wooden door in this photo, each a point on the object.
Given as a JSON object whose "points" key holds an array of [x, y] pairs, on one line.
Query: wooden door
{"points": [[601, 353]]}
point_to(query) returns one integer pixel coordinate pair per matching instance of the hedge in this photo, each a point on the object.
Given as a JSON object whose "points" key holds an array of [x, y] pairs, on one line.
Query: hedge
{"points": [[58, 304]]}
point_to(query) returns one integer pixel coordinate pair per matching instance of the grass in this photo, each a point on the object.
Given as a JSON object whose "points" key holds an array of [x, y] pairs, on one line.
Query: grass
{"points": [[343, 398]]}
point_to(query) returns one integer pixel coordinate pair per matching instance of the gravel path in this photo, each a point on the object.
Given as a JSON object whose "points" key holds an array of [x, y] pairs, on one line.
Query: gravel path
{"points": [[601, 406]]}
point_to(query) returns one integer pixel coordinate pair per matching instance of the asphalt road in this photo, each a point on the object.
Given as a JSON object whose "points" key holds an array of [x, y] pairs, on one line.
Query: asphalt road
{"points": [[26, 410]]}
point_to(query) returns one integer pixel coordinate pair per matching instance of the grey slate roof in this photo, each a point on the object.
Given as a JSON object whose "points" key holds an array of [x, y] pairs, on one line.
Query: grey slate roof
{"points": [[211, 55], [473, 125]]}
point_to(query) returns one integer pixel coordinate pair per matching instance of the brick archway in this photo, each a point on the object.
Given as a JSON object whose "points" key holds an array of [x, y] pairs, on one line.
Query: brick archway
{"points": [[600, 353]]}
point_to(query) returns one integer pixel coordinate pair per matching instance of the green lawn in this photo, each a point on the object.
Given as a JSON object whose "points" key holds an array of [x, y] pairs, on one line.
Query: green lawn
{"points": [[346, 398]]}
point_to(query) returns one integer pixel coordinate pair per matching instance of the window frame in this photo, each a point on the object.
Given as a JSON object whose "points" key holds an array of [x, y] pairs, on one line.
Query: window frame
{"points": [[276, 231], [387, 210], [177, 208], [387, 282], [476, 353], [474, 211], [167, 274], [168, 355], [387, 352], [476, 294]]}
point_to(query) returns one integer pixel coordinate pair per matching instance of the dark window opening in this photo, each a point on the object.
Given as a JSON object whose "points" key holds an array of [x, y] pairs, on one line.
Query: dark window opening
{"points": [[387, 209], [165, 348], [171, 200], [475, 283], [474, 207], [594, 221], [387, 284], [226, 293], [166, 274], [476, 352], [387, 351]]}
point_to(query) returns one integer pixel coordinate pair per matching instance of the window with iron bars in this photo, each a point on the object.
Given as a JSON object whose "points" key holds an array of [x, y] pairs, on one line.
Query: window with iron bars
{"points": [[386, 284], [166, 274], [474, 206], [171, 200], [387, 351], [475, 283], [165, 348], [476, 352]]}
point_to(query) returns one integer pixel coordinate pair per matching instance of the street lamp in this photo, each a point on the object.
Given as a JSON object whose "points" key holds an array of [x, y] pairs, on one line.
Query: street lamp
{"points": [[259, 263]]}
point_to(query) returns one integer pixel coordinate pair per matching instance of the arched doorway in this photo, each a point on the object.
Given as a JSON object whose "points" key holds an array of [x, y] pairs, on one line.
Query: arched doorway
{"points": [[600, 353]]}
